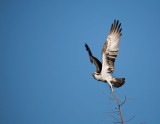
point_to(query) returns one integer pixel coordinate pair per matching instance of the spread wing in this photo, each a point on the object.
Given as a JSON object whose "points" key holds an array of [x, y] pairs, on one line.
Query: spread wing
{"points": [[94, 60], [111, 47]]}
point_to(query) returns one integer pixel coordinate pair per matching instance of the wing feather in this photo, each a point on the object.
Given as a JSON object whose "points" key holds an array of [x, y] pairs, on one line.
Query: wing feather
{"points": [[94, 60], [111, 47]]}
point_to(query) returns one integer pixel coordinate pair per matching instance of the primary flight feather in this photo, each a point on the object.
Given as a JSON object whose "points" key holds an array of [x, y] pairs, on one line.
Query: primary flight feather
{"points": [[110, 50]]}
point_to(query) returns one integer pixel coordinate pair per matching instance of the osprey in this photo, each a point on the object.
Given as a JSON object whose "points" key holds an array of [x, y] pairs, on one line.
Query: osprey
{"points": [[105, 69]]}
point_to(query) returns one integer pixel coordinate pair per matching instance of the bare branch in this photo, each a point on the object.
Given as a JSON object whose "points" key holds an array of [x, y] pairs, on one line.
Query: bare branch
{"points": [[119, 107], [124, 101], [130, 118], [114, 118]]}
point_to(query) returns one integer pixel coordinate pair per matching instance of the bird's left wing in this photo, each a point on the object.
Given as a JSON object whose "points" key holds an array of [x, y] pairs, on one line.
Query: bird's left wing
{"points": [[111, 47], [94, 60]]}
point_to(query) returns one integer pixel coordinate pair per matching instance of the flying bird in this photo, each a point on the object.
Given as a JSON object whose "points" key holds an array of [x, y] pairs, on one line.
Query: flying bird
{"points": [[110, 50]]}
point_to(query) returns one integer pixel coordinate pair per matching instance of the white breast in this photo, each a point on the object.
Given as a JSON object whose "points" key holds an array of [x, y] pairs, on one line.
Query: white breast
{"points": [[107, 76]]}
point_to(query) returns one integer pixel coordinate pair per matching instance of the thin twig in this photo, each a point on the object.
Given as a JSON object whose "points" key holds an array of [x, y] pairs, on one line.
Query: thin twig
{"points": [[130, 118], [114, 117], [119, 107], [123, 101]]}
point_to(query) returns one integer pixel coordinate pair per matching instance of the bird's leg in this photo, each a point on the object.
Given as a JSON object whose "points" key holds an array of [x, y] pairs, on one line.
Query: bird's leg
{"points": [[111, 87]]}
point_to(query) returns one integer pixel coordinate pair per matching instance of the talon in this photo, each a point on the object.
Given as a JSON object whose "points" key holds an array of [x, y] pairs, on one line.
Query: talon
{"points": [[113, 91], [110, 84]]}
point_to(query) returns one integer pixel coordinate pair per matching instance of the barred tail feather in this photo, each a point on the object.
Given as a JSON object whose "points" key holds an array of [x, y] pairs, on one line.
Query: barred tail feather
{"points": [[118, 82]]}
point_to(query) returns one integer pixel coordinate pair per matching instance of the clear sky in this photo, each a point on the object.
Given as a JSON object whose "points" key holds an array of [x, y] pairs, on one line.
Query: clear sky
{"points": [[45, 72]]}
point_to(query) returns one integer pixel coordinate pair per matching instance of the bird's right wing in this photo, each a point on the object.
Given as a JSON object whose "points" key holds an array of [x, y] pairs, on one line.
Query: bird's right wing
{"points": [[111, 47]]}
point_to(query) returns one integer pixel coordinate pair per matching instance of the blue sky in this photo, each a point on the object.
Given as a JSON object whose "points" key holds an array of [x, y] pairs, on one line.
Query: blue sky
{"points": [[45, 75]]}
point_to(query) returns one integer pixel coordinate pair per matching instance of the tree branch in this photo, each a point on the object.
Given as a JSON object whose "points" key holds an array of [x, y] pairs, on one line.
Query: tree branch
{"points": [[119, 104]]}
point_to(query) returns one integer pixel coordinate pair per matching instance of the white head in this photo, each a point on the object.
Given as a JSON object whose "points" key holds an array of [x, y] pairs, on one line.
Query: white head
{"points": [[97, 76]]}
